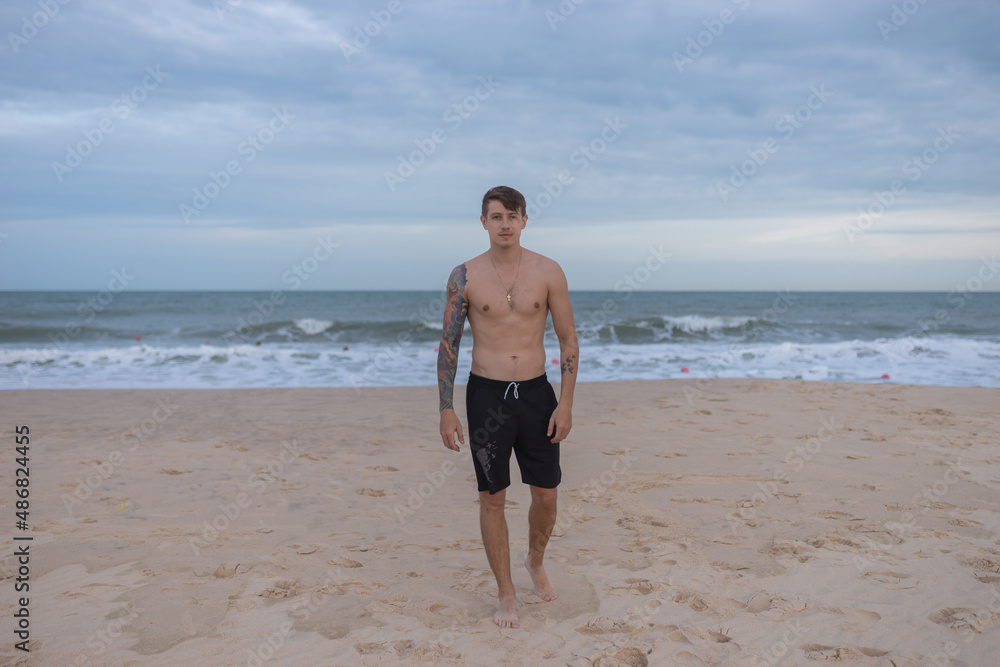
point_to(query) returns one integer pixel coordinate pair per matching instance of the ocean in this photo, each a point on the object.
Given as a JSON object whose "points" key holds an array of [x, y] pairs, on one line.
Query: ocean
{"points": [[133, 339]]}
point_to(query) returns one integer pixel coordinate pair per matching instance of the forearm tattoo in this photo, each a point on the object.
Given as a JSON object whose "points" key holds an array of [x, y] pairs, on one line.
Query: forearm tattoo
{"points": [[455, 311], [569, 364]]}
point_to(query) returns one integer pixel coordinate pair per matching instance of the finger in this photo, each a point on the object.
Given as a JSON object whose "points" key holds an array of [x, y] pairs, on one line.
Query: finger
{"points": [[461, 436], [550, 430]]}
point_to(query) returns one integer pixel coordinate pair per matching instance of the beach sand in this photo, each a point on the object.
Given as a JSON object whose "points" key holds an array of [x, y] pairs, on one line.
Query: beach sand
{"points": [[722, 522]]}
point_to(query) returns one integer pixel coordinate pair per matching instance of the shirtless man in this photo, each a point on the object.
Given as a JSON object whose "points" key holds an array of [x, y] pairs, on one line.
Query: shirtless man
{"points": [[507, 294]]}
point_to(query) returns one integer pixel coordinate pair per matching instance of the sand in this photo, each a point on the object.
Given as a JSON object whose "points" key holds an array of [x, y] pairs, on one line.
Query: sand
{"points": [[722, 522]]}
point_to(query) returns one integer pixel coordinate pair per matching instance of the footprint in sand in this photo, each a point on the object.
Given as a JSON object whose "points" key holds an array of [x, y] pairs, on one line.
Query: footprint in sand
{"points": [[391, 605], [823, 653], [641, 586], [679, 637], [856, 620], [282, 588], [400, 648], [228, 571], [309, 549], [984, 564], [374, 493], [626, 657], [774, 607], [604, 624], [874, 536], [893, 581], [790, 547], [963, 619], [713, 605]]}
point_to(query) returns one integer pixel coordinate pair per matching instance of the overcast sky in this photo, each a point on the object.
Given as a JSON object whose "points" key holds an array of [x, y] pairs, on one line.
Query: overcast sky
{"points": [[215, 144]]}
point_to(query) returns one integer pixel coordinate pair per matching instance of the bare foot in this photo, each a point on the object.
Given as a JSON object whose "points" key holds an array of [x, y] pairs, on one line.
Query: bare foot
{"points": [[506, 616], [543, 588]]}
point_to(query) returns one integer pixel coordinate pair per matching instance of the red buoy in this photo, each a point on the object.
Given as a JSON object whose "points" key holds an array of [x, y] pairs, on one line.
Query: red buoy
{"points": [[138, 337], [684, 369], [885, 376]]}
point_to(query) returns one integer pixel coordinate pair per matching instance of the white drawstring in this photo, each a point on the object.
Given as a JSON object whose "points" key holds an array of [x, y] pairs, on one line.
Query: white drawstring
{"points": [[514, 385]]}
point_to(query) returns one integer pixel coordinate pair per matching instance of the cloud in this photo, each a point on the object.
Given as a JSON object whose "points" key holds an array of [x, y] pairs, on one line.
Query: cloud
{"points": [[373, 92]]}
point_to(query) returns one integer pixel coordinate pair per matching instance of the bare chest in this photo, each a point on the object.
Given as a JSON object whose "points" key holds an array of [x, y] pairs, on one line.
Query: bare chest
{"points": [[492, 299]]}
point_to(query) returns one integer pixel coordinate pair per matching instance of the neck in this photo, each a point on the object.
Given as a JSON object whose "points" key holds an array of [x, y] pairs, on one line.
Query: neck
{"points": [[509, 254]]}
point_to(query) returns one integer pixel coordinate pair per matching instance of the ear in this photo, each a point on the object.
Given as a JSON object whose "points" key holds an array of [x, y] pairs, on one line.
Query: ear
{"points": [[482, 219]]}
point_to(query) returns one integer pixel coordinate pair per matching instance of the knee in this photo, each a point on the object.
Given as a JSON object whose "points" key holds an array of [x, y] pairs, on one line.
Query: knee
{"points": [[492, 502], [544, 498]]}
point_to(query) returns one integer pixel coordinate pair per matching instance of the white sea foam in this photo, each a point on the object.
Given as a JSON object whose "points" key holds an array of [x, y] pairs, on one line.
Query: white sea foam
{"points": [[313, 327], [701, 324], [939, 360]]}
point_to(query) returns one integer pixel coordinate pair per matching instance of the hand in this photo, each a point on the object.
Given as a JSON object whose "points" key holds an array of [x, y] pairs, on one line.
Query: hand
{"points": [[560, 423], [450, 425]]}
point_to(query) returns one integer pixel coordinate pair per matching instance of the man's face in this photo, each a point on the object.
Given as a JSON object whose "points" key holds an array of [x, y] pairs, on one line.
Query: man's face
{"points": [[503, 225]]}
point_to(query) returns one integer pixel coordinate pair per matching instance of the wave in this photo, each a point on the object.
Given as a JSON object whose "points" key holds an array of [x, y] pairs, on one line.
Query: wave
{"points": [[238, 331], [943, 360], [671, 328], [313, 327], [693, 324]]}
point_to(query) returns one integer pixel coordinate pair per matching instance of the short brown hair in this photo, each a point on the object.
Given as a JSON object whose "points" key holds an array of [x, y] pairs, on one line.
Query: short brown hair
{"points": [[511, 199]]}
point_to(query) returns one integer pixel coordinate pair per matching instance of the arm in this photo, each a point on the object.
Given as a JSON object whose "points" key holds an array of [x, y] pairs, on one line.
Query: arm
{"points": [[455, 309], [569, 354]]}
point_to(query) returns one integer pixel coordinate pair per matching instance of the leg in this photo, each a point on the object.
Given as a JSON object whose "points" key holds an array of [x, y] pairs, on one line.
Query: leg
{"points": [[541, 519], [493, 524]]}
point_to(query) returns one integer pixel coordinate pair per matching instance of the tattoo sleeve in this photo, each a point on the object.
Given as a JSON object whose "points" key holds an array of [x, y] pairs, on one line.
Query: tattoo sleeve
{"points": [[455, 310]]}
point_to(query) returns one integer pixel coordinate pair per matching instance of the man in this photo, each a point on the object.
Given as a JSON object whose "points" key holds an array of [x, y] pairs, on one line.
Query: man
{"points": [[507, 294]]}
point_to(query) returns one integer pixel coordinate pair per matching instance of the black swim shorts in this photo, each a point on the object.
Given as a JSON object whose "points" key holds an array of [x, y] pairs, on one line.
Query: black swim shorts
{"points": [[512, 416]]}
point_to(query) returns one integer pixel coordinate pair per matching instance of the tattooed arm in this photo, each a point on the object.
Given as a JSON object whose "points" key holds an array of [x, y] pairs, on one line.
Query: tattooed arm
{"points": [[569, 352], [455, 310]]}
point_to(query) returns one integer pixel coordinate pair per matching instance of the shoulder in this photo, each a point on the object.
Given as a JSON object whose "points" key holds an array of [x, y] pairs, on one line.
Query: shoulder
{"points": [[541, 261], [457, 280], [460, 271], [459, 277], [546, 266]]}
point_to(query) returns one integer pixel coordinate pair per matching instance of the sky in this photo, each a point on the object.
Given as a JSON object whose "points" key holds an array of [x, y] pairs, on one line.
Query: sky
{"points": [[757, 145]]}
